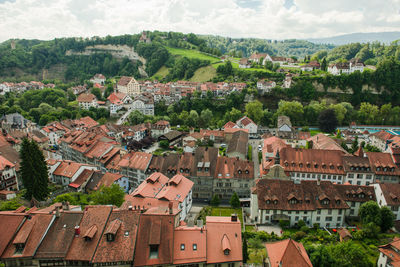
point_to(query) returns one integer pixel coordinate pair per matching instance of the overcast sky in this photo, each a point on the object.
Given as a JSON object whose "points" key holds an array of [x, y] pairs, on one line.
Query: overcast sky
{"points": [[271, 19]]}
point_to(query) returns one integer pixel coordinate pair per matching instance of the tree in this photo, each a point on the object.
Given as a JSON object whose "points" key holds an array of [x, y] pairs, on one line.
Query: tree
{"points": [[349, 254], [97, 93], [244, 249], [164, 144], [322, 257], [234, 201], [387, 218], [324, 64], [254, 110], [33, 170], [136, 117], [292, 109], [113, 195], [327, 121], [370, 212], [193, 119], [215, 201], [206, 116]]}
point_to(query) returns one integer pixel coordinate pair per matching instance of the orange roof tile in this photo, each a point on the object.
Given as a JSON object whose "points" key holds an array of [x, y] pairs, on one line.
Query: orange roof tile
{"points": [[194, 240], [287, 253]]}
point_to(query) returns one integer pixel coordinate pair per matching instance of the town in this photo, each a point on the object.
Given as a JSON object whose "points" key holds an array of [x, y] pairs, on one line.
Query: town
{"points": [[174, 149]]}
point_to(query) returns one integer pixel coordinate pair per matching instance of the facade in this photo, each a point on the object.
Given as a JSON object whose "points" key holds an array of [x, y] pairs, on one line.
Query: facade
{"points": [[8, 175], [98, 78], [86, 101], [388, 195], [265, 86], [244, 63], [389, 254], [310, 201], [129, 86], [144, 104], [65, 172], [346, 67], [134, 165], [246, 123]]}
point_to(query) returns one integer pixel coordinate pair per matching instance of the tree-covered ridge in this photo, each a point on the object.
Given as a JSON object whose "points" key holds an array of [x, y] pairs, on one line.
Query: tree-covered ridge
{"points": [[33, 56], [244, 47]]}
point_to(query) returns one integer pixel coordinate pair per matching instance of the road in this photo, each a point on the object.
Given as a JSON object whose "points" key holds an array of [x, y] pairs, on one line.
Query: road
{"points": [[254, 143], [123, 118]]}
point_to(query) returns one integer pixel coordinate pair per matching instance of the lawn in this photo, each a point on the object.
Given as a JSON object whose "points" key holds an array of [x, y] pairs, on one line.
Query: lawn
{"points": [[204, 74], [161, 73], [219, 211], [314, 132], [192, 54]]}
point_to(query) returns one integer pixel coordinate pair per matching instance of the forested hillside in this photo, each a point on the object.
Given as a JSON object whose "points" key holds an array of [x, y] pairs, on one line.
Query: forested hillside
{"points": [[244, 47]]}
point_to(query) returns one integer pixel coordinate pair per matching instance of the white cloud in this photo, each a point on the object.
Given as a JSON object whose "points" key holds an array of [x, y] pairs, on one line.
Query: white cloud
{"points": [[272, 19]]}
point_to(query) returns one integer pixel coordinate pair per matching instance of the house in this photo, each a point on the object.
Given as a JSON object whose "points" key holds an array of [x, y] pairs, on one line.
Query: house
{"points": [[388, 195], [311, 201], [86, 101], [237, 145], [312, 65], [265, 86], [54, 131], [233, 175], [65, 171], [8, 175], [108, 179], [173, 137], [380, 139], [246, 123], [358, 169], [129, 86], [287, 82], [383, 166], [7, 195], [98, 78], [389, 254], [229, 125], [244, 63], [16, 121], [134, 165], [259, 58], [323, 142], [346, 67], [159, 128], [287, 253], [144, 104], [284, 128], [355, 196], [144, 38], [158, 186], [79, 184]]}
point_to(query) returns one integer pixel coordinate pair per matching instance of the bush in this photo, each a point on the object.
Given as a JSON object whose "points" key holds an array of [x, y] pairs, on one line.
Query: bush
{"points": [[284, 224], [316, 226], [305, 229], [299, 235], [164, 144], [215, 201], [300, 224]]}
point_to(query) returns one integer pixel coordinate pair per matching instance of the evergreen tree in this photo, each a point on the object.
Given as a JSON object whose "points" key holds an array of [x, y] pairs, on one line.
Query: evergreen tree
{"points": [[33, 170], [215, 201], [244, 248], [387, 219], [235, 202], [323, 64]]}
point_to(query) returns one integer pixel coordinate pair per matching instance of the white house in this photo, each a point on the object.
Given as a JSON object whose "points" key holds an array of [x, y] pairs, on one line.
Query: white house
{"points": [[244, 63], [389, 254], [86, 101], [246, 123], [346, 67], [98, 78], [388, 195], [144, 104], [8, 175], [313, 202], [64, 172], [265, 86]]}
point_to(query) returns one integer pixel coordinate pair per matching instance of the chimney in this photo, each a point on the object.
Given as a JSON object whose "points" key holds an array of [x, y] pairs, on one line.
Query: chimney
{"points": [[170, 204], [234, 217], [58, 212], [130, 208], [65, 205], [77, 231]]}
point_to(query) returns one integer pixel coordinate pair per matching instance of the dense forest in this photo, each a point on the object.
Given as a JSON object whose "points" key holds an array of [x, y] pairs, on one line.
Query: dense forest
{"points": [[244, 47]]}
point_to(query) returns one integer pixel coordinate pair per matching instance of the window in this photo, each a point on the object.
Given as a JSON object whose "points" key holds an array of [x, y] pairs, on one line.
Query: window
{"points": [[328, 218], [226, 251], [153, 252], [194, 246], [182, 246], [267, 218], [296, 218], [339, 219], [329, 212], [318, 218], [340, 212], [318, 211], [297, 212]]}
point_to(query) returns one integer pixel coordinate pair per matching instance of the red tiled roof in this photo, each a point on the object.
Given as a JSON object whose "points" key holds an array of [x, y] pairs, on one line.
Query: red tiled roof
{"points": [[229, 124], [382, 135], [178, 188], [124, 80], [391, 192], [275, 195], [86, 97], [31, 234], [9, 224], [229, 168], [151, 186], [123, 224], [68, 168], [4, 163], [222, 234], [380, 161], [194, 240], [321, 141], [108, 179], [135, 160], [287, 253], [83, 249], [245, 121]]}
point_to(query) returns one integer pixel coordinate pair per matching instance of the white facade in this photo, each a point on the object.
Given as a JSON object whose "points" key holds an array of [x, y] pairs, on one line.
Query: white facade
{"points": [[142, 107], [88, 105], [65, 181], [324, 217], [382, 202], [301, 176], [185, 206], [265, 86], [359, 178]]}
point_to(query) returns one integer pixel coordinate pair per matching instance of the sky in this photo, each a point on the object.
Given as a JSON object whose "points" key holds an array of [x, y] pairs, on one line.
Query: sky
{"points": [[269, 19]]}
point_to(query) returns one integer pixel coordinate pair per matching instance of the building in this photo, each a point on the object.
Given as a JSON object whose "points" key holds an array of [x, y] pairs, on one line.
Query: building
{"points": [[158, 186], [388, 195], [244, 63], [314, 202], [323, 142], [346, 67], [105, 236], [355, 196], [144, 104], [159, 128], [237, 145], [129, 86], [246, 123], [389, 254], [86, 101], [8, 175], [379, 139], [287, 253], [108, 179], [65, 172], [134, 165], [265, 86], [259, 58], [98, 78], [144, 38]]}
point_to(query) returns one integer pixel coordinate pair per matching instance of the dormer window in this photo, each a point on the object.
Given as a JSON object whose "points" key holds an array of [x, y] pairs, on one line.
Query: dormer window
{"points": [[19, 248], [239, 171], [182, 246], [362, 195], [247, 171], [337, 202], [293, 164], [286, 164], [268, 201], [308, 165], [226, 252], [325, 201], [110, 237], [378, 169], [316, 166], [153, 252], [194, 247], [331, 167], [301, 165], [181, 169], [293, 201], [385, 169], [323, 166], [275, 202]]}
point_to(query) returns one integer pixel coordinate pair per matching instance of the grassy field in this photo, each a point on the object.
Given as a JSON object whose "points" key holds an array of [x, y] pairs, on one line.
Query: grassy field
{"points": [[220, 211], [314, 132], [204, 74], [161, 73], [192, 54]]}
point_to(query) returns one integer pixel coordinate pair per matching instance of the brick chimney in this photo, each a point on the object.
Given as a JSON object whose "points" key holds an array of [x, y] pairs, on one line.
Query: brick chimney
{"points": [[77, 230], [234, 217], [170, 205]]}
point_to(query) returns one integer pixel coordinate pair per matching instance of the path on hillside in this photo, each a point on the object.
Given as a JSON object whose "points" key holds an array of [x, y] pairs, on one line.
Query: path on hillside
{"points": [[124, 117]]}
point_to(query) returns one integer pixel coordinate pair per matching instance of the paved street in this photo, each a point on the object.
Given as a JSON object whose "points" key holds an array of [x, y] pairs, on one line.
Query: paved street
{"points": [[124, 117]]}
